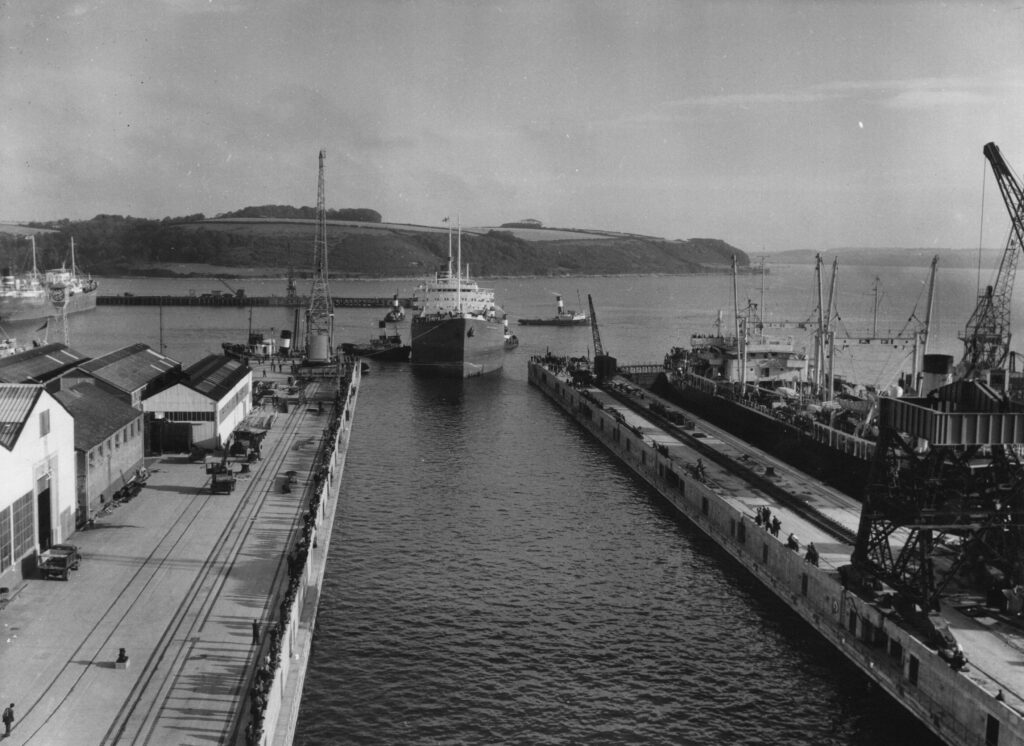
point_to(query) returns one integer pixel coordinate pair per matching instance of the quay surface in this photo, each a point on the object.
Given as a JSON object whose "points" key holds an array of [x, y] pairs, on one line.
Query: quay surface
{"points": [[960, 707], [176, 576]]}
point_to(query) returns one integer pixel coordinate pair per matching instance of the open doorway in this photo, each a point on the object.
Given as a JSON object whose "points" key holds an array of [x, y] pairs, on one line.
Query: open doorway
{"points": [[43, 512]]}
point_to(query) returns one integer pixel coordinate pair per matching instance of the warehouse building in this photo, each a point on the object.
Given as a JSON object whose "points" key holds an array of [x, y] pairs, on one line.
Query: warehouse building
{"points": [[37, 461], [205, 406], [109, 445]]}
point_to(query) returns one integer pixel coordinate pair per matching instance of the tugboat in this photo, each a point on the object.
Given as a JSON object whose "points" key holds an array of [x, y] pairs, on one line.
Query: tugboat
{"points": [[511, 340], [396, 313], [386, 348], [562, 317]]}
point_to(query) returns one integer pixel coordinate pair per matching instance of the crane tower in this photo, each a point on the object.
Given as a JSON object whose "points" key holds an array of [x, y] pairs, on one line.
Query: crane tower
{"points": [[604, 365], [986, 337], [320, 316]]}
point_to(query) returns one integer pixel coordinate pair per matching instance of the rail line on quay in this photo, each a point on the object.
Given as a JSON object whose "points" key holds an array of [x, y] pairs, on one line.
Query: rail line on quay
{"points": [[175, 576]]}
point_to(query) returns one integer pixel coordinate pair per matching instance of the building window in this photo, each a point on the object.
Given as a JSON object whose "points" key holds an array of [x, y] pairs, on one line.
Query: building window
{"points": [[803, 584], [23, 532], [44, 422], [6, 560], [912, 670], [741, 532]]}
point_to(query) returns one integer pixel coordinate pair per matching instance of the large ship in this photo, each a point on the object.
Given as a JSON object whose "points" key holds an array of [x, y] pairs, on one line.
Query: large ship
{"points": [[38, 295], [767, 388], [458, 331]]}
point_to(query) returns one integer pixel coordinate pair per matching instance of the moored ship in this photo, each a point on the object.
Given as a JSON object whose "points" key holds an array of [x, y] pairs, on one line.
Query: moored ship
{"points": [[35, 295], [768, 389], [458, 331]]}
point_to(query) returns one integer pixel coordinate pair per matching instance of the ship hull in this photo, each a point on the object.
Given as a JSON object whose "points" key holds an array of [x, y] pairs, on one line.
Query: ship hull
{"points": [[554, 322], [457, 347], [22, 309], [839, 459]]}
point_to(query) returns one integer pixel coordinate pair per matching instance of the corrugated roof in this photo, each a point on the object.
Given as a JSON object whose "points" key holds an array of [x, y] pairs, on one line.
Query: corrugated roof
{"points": [[16, 403], [130, 368], [39, 364], [97, 414], [215, 375]]}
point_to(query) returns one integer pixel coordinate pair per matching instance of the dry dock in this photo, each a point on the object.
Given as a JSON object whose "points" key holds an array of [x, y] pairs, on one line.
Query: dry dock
{"points": [[176, 577], [978, 704]]}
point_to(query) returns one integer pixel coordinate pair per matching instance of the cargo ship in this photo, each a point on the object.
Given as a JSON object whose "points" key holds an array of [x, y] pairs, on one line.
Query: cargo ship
{"points": [[948, 652], [759, 385], [458, 331], [38, 295]]}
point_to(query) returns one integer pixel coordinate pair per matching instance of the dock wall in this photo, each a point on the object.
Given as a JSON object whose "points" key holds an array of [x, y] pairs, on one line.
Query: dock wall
{"points": [[948, 703], [271, 710]]}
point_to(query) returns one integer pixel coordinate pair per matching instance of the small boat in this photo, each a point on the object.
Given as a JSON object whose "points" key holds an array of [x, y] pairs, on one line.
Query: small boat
{"points": [[562, 317], [511, 340]]}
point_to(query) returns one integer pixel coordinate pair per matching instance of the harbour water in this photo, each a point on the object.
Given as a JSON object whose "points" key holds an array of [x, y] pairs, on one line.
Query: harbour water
{"points": [[495, 578]]}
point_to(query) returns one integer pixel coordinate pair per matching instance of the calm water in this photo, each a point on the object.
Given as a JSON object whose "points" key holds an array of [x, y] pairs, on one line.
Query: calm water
{"points": [[496, 578]]}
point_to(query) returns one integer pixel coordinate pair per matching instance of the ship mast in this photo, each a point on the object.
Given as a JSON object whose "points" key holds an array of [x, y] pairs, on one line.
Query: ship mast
{"points": [[458, 263], [32, 238]]}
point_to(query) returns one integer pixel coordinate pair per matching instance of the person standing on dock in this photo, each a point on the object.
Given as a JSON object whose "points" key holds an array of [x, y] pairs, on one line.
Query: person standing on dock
{"points": [[8, 718], [255, 631]]}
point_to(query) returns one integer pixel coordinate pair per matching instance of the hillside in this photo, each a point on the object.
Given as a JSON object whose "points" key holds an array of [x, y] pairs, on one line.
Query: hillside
{"points": [[948, 258], [111, 244]]}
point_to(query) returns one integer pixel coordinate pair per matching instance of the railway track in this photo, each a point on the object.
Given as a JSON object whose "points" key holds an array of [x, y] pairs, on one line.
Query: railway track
{"points": [[791, 501]]}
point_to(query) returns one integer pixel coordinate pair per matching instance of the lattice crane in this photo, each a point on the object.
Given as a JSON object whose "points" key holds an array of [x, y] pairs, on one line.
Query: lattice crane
{"points": [[598, 347], [320, 316], [986, 337]]}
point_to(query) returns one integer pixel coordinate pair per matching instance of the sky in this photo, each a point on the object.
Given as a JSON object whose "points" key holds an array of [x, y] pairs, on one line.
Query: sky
{"points": [[771, 125]]}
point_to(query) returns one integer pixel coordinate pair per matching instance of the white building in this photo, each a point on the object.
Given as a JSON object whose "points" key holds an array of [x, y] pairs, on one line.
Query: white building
{"points": [[37, 461], [214, 396]]}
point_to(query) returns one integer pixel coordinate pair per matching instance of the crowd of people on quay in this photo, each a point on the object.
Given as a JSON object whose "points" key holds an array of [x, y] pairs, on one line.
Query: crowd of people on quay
{"points": [[297, 559]]}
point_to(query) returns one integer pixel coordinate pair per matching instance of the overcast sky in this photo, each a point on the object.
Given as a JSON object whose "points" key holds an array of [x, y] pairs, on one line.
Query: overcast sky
{"points": [[766, 124]]}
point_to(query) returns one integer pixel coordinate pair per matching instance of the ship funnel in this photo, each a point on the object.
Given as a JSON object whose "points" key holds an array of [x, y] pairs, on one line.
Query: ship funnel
{"points": [[937, 370], [285, 341], [561, 306]]}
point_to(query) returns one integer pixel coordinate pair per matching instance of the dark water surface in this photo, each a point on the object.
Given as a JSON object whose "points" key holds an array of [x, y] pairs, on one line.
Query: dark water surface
{"points": [[496, 578]]}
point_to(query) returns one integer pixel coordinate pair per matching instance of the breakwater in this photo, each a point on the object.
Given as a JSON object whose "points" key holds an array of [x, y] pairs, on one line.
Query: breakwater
{"points": [[242, 301]]}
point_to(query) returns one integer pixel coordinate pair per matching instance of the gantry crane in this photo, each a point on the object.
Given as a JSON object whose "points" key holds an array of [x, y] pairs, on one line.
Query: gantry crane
{"points": [[320, 316], [986, 337]]}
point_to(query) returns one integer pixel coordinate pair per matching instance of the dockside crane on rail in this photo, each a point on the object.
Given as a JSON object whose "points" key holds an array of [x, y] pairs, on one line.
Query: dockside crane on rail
{"points": [[987, 335]]}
